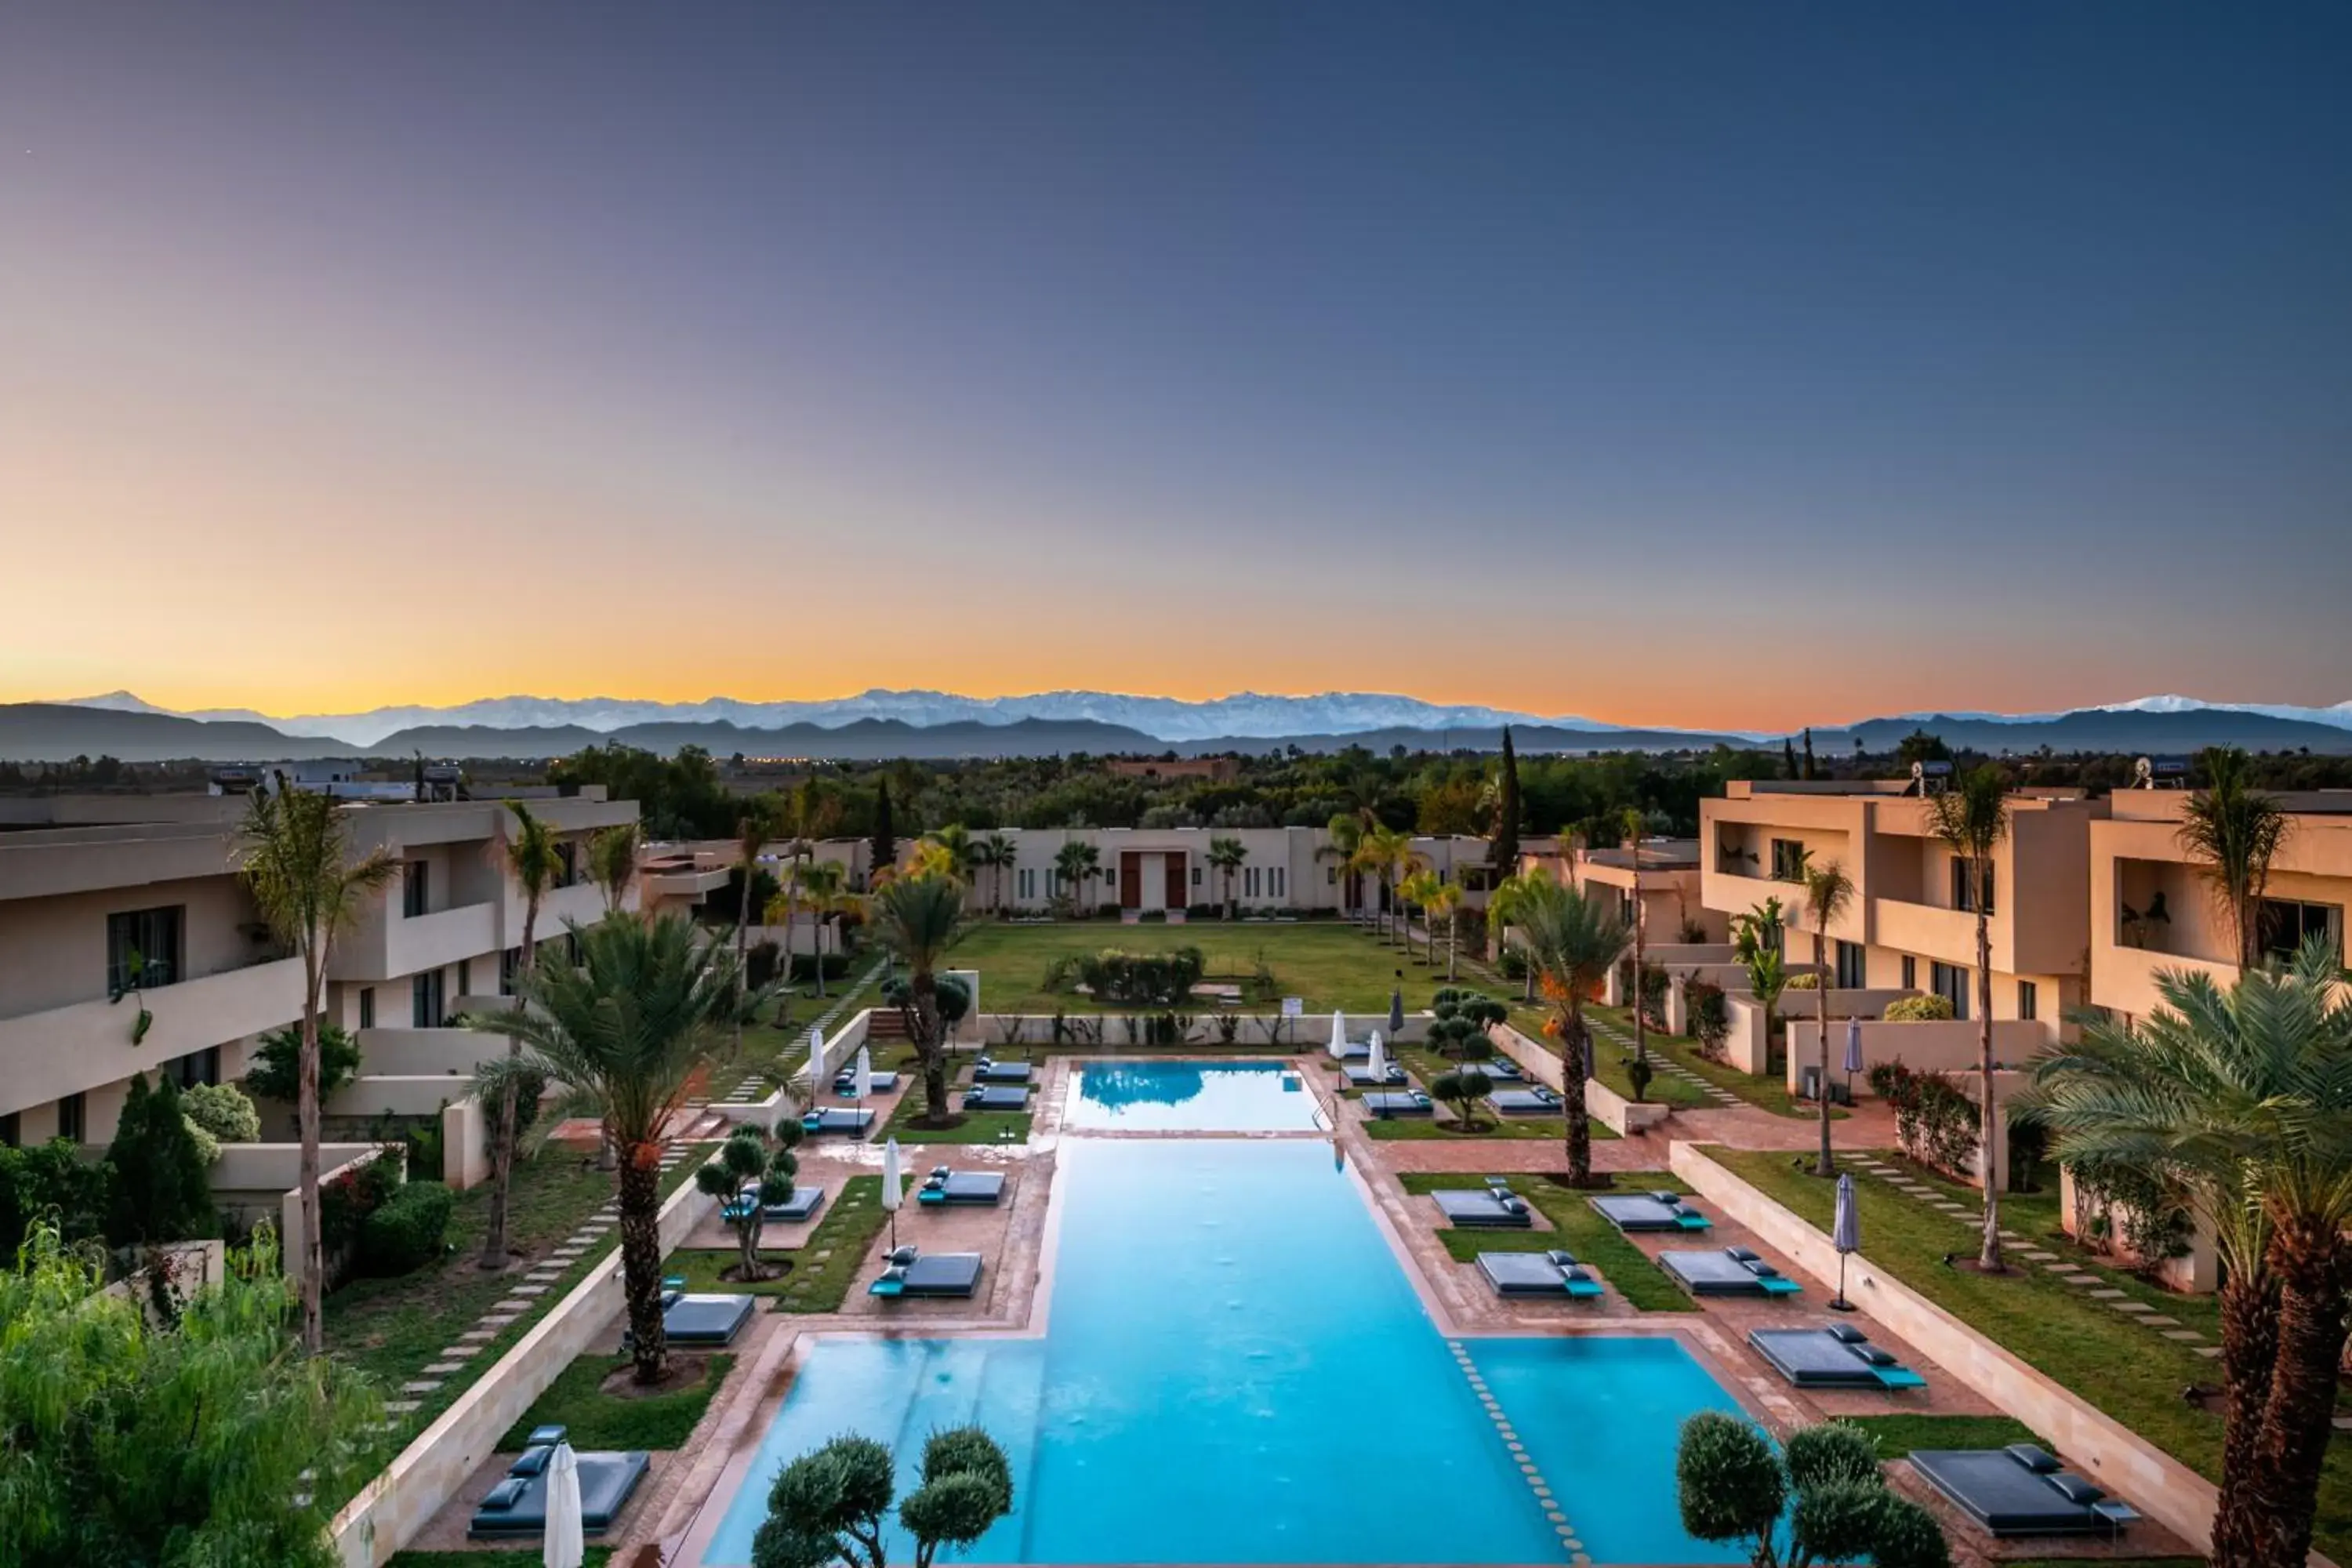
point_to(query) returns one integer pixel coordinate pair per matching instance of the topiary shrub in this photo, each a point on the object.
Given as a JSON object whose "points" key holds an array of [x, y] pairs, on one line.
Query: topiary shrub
{"points": [[1928, 1009], [1728, 1483], [406, 1232], [1462, 1089], [1908, 1537], [1820, 1500], [223, 1114]]}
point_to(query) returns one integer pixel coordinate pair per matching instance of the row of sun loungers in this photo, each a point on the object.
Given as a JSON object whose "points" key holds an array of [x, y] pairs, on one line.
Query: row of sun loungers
{"points": [[517, 1506]]}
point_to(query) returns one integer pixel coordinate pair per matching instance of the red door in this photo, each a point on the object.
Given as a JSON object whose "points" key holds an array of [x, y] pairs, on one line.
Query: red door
{"points": [[1176, 900], [1130, 879]]}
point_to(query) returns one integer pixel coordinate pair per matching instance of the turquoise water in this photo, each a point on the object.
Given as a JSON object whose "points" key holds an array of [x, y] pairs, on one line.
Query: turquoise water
{"points": [[1192, 1097], [1237, 1370]]}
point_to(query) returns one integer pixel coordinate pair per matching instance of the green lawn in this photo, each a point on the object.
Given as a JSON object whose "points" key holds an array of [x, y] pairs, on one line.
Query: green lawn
{"points": [[853, 1217], [576, 1399], [971, 1126], [700, 1267], [1593, 1240], [2128, 1371], [1898, 1434], [1328, 964], [392, 1328]]}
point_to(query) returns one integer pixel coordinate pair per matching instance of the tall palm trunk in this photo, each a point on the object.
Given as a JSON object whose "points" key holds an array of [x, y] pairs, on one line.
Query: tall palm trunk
{"points": [[1452, 944], [929, 1046], [816, 942], [1989, 1153], [2250, 1309], [1641, 1028], [2309, 1260], [641, 1258], [503, 1143], [1825, 1165], [1580, 1126], [305, 1109]]}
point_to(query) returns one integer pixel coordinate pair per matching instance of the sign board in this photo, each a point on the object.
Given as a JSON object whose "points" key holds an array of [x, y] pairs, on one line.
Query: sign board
{"points": [[1294, 1006]]}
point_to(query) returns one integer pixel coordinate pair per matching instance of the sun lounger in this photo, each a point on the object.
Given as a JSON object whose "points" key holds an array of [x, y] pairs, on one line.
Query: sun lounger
{"points": [[987, 1071], [691, 1319], [802, 1204], [1501, 1070], [995, 1097], [1398, 1102], [846, 1082], [980, 1188], [1839, 1356], [1554, 1273], [1486, 1208], [1536, 1102], [838, 1119], [1634, 1211], [2021, 1490], [1356, 1051], [1361, 1077], [913, 1273], [517, 1506], [1734, 1271]]}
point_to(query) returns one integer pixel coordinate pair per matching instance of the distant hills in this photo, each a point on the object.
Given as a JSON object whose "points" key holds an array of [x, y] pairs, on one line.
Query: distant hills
{"points": [[123, 726]]}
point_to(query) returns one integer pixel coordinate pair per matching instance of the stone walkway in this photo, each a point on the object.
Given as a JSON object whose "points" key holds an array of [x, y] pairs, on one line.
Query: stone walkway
{"points": [[747, 1092], [2063, 1269]]}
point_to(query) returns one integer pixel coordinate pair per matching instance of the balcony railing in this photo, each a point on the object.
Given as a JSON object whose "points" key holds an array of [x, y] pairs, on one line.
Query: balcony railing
{"points": [[66, 1050]]}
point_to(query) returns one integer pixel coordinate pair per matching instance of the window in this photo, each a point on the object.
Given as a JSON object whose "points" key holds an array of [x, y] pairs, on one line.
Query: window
{"points": [[73, 1118], [367, 1006], [427, 1006], [415, 889], [2029, 999], [1249, 881], [1027, 882], [198, 1067], [2284, 925], [1626, 907], [1330, 876], [12, 1132], [1910, 972], [509, 966], [567, 862], [1964, 892], [143, 948], [1850, 966], [1787, 860], [1281, 881], [1951, 982], [464, 977]]}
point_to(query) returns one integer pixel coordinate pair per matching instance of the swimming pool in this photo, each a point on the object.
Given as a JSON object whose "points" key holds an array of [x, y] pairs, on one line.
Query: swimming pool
{"points": [[1192, 1097], [1237, 1370]]}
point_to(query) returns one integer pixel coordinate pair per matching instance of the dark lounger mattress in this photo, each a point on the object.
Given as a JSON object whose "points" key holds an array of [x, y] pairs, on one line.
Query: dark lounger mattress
{"points": [[1649, 1211], [931, 1274], [1000, 1072], [1361, 1077], [1536, 1274], [605, 1483], [1398, 1102], [995, 1097], [846, 1083], [1526, 1101], [1484, 1206], [1721, 1274], [706, 1320], [964, 1187], [1827, 1358], [838, 1119], [2009, 1496]]}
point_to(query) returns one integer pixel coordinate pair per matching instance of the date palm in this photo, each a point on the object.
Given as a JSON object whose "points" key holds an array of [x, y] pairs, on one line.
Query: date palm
{"points": [[2240, 1102], [953, 846], [534, 859], [626, 1031], [613, 861], [1419, 889], [918, 917], [755, 829], [1828, 891], [1225, 857], [1345, 832], [297, 862], [1572, 942], [1972, 819], [2234, 832], [995, 854], [1502, 915], [1445, 902], [818, 890]]}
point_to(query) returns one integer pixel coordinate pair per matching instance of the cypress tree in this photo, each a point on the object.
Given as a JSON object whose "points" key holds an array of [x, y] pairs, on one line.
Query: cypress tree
{"points": [[1504, 853], [1789, 758], [160, 1191], [1809, 751], [886, 841]]}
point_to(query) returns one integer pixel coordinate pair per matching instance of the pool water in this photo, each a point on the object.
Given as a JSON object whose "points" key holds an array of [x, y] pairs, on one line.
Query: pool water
{"points": [[1192, 1097], [1236, 1370]]}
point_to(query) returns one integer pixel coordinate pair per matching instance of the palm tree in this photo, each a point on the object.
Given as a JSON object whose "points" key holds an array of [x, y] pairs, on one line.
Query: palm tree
{"points": [[535, 860], [1757, 947], [613, 861], [307, 887], [1226, 856], [1972, 819], [1828, 891], [2242, 1103], [1572, 942], [1419, 889], [1073, 861], [626, 1031], [754, 830], [997, 854], [918, 917], [954, 851], [1502, 915], [2235, 831], [1346, 831], [1635, 826], [1444, 901], [816, 890]]}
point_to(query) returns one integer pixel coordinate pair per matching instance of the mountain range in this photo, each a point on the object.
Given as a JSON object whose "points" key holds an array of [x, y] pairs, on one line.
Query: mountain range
{"points": [[931, 724]]}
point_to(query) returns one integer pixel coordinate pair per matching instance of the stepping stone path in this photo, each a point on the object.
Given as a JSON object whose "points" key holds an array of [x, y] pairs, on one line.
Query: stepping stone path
{"points": [[1537, 1485], [1715, 1092]]}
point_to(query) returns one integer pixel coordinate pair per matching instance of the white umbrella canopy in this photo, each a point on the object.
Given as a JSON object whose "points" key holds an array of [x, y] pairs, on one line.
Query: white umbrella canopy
{"points": [[566, 1542], [863, 1080], [1380, 1062], [890, 1184], [819, 1068], [1339, 1035]]}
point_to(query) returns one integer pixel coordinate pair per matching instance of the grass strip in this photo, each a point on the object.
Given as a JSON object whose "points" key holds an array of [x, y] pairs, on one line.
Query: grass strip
{"points": [[577, 1400], [1576, 1227]]}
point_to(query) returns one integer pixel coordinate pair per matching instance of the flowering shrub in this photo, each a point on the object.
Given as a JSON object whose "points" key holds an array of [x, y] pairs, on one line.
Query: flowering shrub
{"points": [[1933, 1121], [1710, 1015]]}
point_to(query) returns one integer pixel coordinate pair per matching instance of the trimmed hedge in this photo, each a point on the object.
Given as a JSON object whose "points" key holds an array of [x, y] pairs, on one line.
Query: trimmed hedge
{"points": [[1928, 1009], [405, 1234]]}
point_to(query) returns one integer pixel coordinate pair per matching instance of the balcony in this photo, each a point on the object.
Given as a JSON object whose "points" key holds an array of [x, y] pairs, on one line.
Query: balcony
{"points": [[1948, 936], [67, 1050], [2123, 979], [399, 946], [579, 904]]}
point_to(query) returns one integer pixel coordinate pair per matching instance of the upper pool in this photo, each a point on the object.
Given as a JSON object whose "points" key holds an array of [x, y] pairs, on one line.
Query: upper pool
{"points": [[1192, 1097], [1236, 1370]]}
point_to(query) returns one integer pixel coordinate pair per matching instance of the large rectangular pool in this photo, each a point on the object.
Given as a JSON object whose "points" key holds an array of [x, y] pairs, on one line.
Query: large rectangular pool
{"points": [[1192, 1097], [1238, 1371]]}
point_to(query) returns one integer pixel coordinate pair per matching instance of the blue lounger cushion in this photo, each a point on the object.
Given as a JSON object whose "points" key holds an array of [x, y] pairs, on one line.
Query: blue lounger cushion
{"points": [[928, 1274], [986, 1070], [980, 1188], [1631, 1211], [838, 1119], [1536, 1102], [996, 1097], [1720, 1273], [1825, 1358], [2009, 1496], [1551, 1273], [1490, 1208], [517, 1506], [1398, 1102]]}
